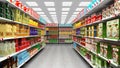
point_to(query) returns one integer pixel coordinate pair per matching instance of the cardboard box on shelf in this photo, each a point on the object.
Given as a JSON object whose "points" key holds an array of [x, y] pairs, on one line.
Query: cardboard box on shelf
{"points": [[116, 54], [113, 29]]}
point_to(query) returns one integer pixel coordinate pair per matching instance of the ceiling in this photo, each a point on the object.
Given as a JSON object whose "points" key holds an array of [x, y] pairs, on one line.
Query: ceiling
{"points": [[57, 11]]}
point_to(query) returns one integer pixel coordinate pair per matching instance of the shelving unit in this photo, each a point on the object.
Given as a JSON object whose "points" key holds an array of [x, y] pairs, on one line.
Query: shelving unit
{"points": [[89, 62], [23, 31], [30, 58], [93, 34], [52, 34], [65, 35]]}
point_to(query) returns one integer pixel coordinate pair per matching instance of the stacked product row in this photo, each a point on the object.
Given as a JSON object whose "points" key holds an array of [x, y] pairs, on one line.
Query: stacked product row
{"points": [[108, 30], [13, 46], [95, 60], [17, 30], [14, 14], [52, 34], [110, 11], [94, 48], [18, 60], [65, 35]]}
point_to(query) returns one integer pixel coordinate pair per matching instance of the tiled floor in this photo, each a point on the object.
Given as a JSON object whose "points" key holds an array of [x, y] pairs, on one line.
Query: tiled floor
{"points": [[57, 56]]}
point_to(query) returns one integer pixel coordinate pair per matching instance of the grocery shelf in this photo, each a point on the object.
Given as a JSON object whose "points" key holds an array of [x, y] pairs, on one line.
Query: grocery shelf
{"points": [[15, 22], [93, 52], [108, 60], [110, 39], [106, 39], [6, 57], [30, 58], [95, 9], [65, 38], [51, 34], [103, 20], [65, 43], [22, 11], [88, 61], [114, 64], [18, 37]]}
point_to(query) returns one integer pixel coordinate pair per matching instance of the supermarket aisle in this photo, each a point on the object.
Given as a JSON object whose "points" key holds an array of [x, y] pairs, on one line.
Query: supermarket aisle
{"points": [[57, 56]]}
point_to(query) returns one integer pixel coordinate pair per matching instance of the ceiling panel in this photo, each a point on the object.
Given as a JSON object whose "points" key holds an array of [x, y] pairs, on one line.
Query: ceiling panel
{"points": [[53, 11]]}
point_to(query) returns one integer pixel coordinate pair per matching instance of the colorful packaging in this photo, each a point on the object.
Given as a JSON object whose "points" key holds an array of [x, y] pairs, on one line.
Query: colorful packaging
{"points": [[102, 49], [100, 30], [113, 29], [116, 54]]}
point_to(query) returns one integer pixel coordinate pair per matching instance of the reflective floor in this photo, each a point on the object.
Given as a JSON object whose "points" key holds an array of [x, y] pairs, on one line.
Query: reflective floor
{"points": [[57, 56]]}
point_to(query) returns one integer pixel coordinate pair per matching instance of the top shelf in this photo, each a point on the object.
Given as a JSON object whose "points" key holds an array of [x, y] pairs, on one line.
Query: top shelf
{"points": [[100, 6], [12, 5]]}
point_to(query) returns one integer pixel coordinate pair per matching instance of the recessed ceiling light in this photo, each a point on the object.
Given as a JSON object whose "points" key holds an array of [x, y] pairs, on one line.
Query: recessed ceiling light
{"points": [[66, 3], [49, 3], [52, 12], [64, 12], [37, 9], [79, 9], [51, 9], [31, 3], [65, 9], [75, 12], [40, 12], [84, 3]]}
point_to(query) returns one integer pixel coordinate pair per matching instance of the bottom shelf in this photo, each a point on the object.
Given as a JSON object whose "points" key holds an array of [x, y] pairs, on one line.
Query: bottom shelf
{"points": [[30, 57], [65, 42], [88, 61]]}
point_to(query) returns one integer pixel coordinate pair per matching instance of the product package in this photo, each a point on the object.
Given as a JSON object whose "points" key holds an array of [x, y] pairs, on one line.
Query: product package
{"points": [[116, 54], [100, 30], [113, 27]]}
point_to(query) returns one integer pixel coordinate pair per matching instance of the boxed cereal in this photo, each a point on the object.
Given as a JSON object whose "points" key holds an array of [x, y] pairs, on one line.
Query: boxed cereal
{"points": [[116, 54], [100, 30], [113, 29]]}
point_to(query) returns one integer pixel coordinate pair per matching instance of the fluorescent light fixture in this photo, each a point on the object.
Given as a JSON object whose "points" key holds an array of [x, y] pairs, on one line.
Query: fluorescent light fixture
{"points": [[37, 9], [64, 15], [51, 9], [49, 3], [43, 15], [84, 3], [31, 3], [52, 12], [40, 12], [66, 3], [65, 9], [75, 12], [79, 9], [64, 12], [53, 15]]}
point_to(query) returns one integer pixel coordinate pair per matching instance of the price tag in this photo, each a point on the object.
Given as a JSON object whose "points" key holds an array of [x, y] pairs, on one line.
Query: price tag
{"points": [[109, 61], [1, 39]]}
